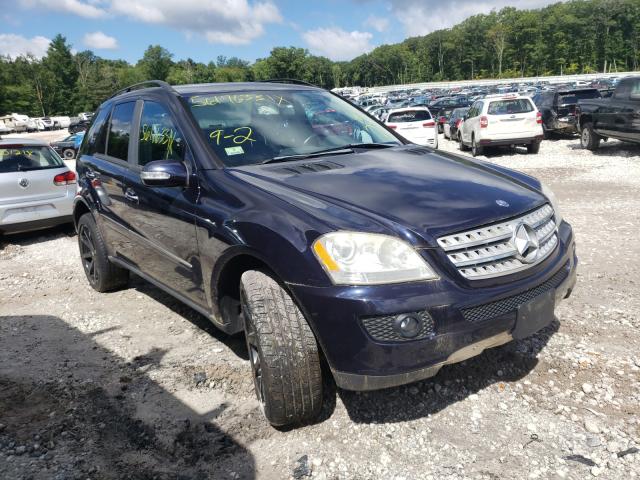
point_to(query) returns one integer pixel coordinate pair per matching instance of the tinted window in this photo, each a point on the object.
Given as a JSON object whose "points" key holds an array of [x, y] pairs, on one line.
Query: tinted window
{"points": [[159, 137], [21, 158], [409, 116], [571, 98], [634, 92], [94, 141], [120, 130], [509, 107]]}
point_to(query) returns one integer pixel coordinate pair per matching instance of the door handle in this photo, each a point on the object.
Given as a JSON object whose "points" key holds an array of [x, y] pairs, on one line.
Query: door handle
{"points": [[131, 195]]}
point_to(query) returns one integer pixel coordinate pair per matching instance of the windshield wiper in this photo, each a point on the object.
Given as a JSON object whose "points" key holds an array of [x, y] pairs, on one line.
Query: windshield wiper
{"points": [[329, 151]]}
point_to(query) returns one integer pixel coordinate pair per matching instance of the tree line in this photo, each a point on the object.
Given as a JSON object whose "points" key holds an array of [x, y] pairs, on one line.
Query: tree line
{"points": [[580, 36]]}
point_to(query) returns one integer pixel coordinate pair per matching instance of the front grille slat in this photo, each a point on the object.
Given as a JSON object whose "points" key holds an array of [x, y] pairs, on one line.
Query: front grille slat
{"points": [[511, 304], [488, 252]]}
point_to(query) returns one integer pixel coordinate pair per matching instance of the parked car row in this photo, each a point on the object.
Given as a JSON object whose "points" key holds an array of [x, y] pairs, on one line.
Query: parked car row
{"points": [[17, 123]]}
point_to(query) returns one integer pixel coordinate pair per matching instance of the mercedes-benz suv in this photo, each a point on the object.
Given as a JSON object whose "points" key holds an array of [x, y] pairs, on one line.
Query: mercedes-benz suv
{"points": [[326, 239]]}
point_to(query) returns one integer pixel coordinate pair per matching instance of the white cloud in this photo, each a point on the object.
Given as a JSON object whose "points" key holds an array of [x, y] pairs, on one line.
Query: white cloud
{"points": [[16, 45], [87, 9], [234, 22], [100, 41], [420, 17], [338, 44], [379, 24]]}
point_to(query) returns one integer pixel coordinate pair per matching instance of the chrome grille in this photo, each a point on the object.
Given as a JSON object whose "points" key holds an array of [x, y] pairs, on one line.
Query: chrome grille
{"points": [[490, 251]]}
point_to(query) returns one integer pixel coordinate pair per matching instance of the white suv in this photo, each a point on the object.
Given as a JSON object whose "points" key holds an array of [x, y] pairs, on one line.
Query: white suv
{"points": [[507, 119], [415, 124]]}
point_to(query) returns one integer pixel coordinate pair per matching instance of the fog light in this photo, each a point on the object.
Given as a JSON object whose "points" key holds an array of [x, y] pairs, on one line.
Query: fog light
{"points": [[408, 326]]}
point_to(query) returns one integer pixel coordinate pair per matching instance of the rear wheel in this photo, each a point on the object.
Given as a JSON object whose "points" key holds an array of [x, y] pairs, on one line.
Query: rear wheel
{"points": [[461, 145], [283, 352], [475, 148], [101, 273], [533, 147], [588, 138], [68, 153]]}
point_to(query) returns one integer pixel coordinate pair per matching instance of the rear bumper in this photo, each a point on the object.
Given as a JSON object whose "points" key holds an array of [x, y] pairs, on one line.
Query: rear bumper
{"points": [[361, 362], [27, 216], [510, 141]]}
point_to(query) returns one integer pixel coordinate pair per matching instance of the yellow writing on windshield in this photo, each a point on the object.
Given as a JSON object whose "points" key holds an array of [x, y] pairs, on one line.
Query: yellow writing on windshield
{"points": [[159, 136], [238, 136], [12, 151], [211, 100]]}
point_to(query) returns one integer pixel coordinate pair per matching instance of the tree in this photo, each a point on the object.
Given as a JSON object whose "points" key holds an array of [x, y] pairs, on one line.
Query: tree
{"points": [[156, 63]]}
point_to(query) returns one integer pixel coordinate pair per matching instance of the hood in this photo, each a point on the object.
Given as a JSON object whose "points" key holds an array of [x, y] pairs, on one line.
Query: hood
{"points": [[428, 192]]}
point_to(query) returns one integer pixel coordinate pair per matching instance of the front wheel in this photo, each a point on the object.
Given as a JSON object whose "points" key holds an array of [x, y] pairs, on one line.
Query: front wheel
{"points": [[461, 145], [588, 138], [283, 352], [101, 273], [68, 153]]}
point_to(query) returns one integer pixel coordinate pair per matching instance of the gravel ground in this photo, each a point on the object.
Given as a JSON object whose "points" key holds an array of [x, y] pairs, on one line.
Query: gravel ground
{"points": [[132, 384]]}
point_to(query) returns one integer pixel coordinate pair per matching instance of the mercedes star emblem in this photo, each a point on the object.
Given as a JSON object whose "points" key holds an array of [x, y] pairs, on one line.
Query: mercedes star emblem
{"points": [[526, 242]]}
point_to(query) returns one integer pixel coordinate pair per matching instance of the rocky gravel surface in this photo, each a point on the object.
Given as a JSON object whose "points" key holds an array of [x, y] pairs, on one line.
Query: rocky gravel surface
{"points": [[132, 384]]}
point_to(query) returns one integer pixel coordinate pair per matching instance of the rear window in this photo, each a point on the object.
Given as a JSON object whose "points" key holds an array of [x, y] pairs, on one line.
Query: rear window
{"points": [[409, 116], [572, 98], [509, 107], [21, 158]]}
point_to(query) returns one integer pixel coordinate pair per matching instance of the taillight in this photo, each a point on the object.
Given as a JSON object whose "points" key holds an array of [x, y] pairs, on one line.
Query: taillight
{"points": [[484, 122], [458, 122], [538, 117], [392, 126], [66, 178], [443, 119], [430, 123]]}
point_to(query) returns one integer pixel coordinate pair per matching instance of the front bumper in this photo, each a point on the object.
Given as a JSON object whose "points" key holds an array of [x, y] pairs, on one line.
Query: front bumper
{"points": [[359, 362]]}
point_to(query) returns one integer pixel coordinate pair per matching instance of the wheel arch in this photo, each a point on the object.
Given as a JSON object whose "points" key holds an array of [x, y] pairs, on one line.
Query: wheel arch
{"points": [[80, 207]]}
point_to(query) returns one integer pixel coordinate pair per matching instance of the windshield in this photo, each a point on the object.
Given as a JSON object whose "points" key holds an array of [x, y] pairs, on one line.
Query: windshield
{"points": [[509, 107], [252, 127], [409, 116], [19, 158]]}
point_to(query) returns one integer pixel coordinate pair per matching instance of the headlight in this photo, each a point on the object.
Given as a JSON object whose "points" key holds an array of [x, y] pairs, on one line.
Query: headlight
{"points": [[553, 200], [352, 258]]}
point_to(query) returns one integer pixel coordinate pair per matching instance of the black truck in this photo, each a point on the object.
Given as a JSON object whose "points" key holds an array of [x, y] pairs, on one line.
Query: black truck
{"points": [[558, 108], [616, 117]]}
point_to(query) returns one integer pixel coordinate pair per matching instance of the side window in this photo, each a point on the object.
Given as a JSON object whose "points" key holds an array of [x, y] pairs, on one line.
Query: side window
{"points": [[159, 137], [97, 134], [622, 91], [634, 92], [120, 131]]}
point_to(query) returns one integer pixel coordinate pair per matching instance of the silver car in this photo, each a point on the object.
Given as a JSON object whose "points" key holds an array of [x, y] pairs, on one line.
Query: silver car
{"points": [[36, 187]]}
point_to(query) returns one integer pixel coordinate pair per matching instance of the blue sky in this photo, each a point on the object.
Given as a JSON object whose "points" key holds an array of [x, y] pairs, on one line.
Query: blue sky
{"points": [[204, 29]]}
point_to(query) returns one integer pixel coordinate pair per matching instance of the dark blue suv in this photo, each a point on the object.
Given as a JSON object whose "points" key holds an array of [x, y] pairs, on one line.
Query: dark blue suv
{"points": [[284, 212]]}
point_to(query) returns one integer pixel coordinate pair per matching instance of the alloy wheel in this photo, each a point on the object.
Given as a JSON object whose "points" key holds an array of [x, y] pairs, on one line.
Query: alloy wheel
{"points": [[252, 348], [586, 137], [88, 254]]}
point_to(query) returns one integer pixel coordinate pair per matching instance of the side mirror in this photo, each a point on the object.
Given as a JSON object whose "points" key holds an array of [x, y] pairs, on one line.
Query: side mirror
{"points": [[164, 173]]}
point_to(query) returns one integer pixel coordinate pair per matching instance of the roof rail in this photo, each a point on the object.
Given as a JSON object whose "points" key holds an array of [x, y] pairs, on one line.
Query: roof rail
{"points": [[289, 80], [141, 85]]}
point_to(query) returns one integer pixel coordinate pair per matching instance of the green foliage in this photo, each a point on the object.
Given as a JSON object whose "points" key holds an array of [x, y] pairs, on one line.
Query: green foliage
{"points": [[579, 36]]}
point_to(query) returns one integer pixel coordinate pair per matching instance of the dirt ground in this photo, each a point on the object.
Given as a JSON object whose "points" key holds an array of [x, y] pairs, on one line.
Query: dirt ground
{"points": [[134, 385]]}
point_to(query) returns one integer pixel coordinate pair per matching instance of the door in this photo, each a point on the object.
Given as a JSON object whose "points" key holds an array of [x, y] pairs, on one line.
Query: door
{"points": [[472, 122], [626, 120], [102, 162], [161, 219]]}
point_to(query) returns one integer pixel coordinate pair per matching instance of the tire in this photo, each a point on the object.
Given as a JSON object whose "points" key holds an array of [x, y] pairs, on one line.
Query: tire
{"points": [[461, 145], [588, 138], [283, 352], [476, 149], [533, 147], [68, 154], [102, 275]]}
